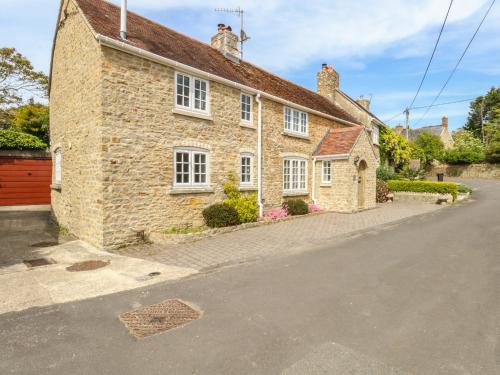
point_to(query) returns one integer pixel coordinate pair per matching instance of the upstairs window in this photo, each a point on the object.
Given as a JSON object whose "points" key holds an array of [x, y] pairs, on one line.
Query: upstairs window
{"points": [[191, 167], [57, 166], [295, 121], [246, 107], [246, 170], [191, 93], [326, 174], [294, 175]]}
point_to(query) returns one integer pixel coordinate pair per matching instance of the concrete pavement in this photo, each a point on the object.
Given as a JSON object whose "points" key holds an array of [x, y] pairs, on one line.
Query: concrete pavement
{"points": [[420, 297]]}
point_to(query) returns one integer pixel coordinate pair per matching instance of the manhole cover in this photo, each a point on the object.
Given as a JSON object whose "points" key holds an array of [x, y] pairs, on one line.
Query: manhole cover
{"points": [[38, 262], [154, 319], [45, 244], [88, 265]]}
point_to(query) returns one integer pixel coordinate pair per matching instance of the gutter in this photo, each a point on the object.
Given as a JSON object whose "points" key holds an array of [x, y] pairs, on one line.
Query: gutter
{"points": [[125, 47], [259, 156]]}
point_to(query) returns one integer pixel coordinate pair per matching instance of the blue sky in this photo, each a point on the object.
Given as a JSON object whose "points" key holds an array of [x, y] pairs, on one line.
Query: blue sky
{"points": [[379, 48]]}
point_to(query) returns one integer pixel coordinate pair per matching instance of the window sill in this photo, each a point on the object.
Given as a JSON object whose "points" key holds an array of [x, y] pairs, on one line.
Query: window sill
{"points": [[56, 187], [247, 125], [296, 135], [325, 184], [190, 190], [186, 112], [295, 193], [247, 188]]}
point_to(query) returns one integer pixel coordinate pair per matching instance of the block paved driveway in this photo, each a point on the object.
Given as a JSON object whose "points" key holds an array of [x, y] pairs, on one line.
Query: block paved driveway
{"points": [[280, 238]]}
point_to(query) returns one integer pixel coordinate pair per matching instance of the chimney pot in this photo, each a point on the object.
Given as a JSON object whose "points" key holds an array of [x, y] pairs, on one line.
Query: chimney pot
{"points": [[444, 122]]}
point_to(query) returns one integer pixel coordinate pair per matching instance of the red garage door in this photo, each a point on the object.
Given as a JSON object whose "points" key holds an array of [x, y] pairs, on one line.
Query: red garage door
{"points": [[25, 181]]}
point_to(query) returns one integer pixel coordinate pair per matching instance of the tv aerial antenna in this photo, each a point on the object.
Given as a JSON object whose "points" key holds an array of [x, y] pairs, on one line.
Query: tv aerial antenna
{"points": [[239, 12]]}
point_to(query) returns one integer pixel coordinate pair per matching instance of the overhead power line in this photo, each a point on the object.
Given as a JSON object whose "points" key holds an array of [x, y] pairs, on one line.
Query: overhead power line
{"points": [[427, 106], [432, 55], [458, 62]]}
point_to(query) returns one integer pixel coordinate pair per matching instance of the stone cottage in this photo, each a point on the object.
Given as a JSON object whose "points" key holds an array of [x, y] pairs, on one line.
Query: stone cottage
{"points": [[147, 124], [440, 131]]}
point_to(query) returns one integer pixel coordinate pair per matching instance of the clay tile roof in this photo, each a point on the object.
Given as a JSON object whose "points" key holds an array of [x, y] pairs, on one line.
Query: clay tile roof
{"points": [[339, 141], [150, 36]]}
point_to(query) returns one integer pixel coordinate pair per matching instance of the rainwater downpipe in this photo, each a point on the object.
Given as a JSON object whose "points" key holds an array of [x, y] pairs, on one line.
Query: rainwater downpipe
{"points": [[259, 155], [314, 181]]}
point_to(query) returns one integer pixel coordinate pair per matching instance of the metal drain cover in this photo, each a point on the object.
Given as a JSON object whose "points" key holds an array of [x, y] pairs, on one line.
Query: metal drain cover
{"points": [[88, 265], [30, 263], [154, 319]]}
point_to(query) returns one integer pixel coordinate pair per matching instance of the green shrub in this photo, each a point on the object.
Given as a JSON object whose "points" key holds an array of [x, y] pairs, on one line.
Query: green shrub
{"points": [[456, 156], [463, 188], [424, 187], [245, 204], [13, 140], [220, 215], [411, 174], [382, 191], [386, 173], [296, 207]]}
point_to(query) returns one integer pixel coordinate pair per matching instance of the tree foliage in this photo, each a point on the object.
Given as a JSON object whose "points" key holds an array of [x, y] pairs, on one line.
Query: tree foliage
{"points": [[17, 77], [489, 106], [492, 148], [33, 119], [467, 149], [14, 140], [431, 146], [394, 149]]}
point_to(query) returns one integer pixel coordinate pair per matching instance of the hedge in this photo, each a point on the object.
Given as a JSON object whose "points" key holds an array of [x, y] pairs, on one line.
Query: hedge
{"points": [[424, 187], [13, 140], [220, 215]]}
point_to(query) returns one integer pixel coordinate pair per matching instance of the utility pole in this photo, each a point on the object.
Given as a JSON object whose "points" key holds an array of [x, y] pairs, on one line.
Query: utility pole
{"points": [[407, 113]]}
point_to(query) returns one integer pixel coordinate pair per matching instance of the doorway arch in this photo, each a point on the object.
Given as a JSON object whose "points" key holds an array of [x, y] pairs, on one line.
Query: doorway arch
{"points": [[362, 167]]}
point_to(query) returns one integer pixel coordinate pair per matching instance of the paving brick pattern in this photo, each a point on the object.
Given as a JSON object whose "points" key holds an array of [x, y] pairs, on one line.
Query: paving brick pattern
{"points": [[276, 239]]}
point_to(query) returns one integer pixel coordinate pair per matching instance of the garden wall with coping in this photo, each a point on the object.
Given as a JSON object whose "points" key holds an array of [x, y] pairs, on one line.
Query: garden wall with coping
{"points": [[409, 196], [483, 170]]}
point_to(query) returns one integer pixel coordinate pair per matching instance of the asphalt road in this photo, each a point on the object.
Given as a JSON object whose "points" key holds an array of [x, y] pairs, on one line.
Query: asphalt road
{"points": [[419, 297]]}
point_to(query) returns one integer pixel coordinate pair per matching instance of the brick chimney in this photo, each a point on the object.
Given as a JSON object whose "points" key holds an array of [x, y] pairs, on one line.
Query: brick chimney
{"points": [[328, 82], [399, 128], [363, 102], [444, 122], [226, 42]]}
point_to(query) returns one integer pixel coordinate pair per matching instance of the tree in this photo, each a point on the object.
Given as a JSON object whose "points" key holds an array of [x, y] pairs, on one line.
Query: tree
{"points": [[467, 149], [432, 147], [17, 77], [492, 149], [33, 119], [483, 110], [394, 149]]}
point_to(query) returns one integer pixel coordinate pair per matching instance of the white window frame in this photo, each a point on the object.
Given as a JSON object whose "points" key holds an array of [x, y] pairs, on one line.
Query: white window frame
{"points": [[299, 182], [326, 172], [191, 151], [57, 166], [375, 135], [191, 94], [242, 111], [295, 121], [250, 181]]}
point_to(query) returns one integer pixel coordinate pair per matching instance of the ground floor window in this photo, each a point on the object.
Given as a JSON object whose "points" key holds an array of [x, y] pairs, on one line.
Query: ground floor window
{"points": [[246, 170], [191, 167], [294, 174], [326, 175]]}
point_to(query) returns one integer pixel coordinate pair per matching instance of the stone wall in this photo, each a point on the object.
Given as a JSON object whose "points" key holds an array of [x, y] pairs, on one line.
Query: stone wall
{"points": [[483, 170], [75, 118]]}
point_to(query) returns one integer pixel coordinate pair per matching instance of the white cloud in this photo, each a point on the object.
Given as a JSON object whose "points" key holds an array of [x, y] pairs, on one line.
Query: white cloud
{"points": [[288, 35]]}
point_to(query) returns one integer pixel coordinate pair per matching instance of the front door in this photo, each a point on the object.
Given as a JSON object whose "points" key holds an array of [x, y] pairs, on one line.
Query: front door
{"points": [[361, 184]]}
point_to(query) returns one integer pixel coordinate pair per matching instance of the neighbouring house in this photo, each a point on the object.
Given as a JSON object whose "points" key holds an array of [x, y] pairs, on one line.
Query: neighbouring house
{"points": [[147, 124], [439, 130]]}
